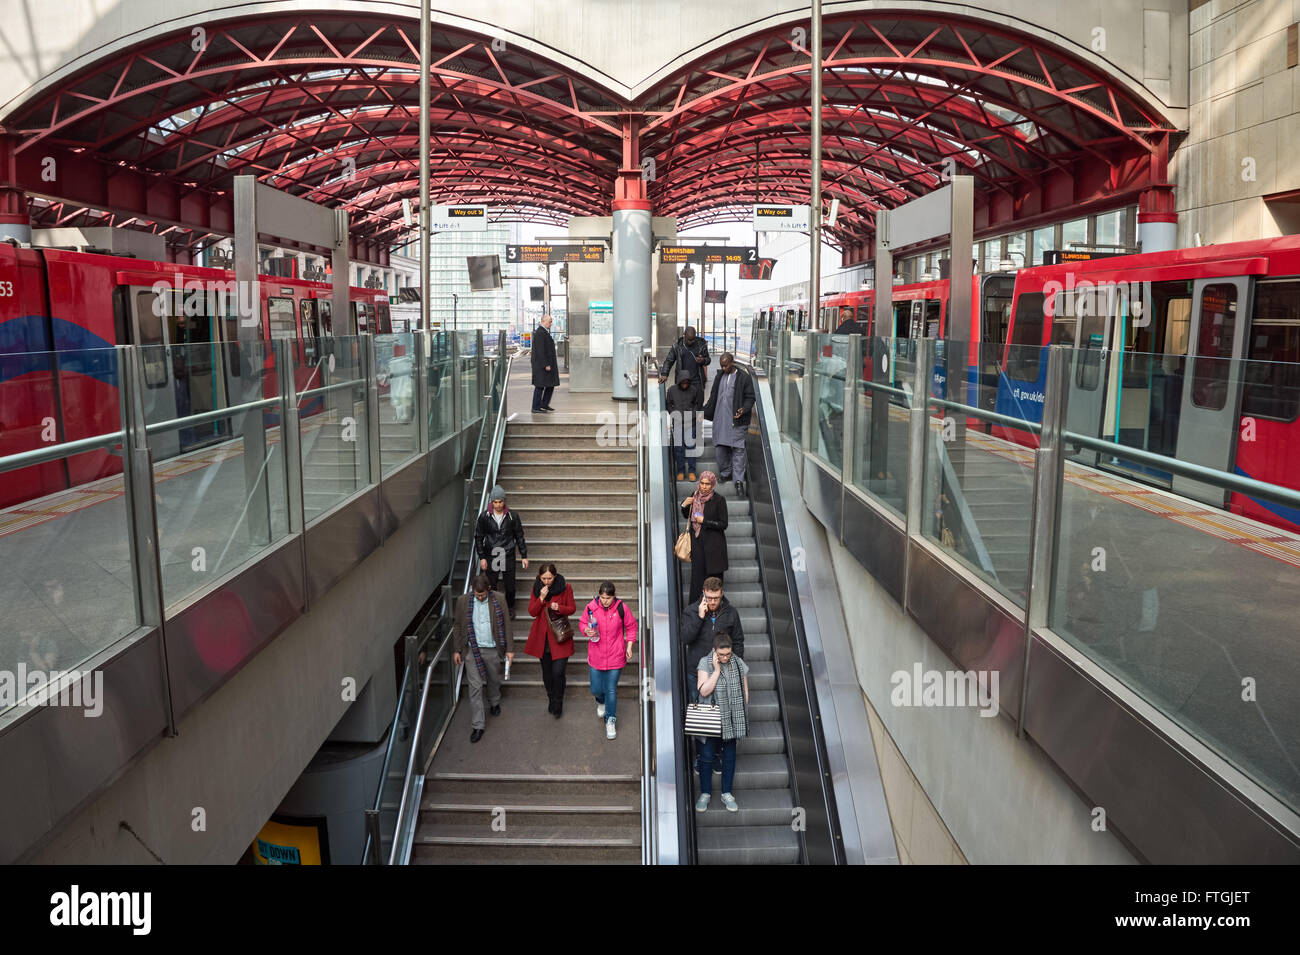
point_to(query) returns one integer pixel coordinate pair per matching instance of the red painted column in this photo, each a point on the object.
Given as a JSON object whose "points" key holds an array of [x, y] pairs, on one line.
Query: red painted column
{"points": [[15, 221], [1157, 215]]}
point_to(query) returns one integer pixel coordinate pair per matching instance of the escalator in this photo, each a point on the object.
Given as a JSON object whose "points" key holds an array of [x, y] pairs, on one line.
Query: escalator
{"points": [[789, 811]]}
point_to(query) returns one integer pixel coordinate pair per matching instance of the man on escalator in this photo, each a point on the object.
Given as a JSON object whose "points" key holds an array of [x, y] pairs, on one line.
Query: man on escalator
{"points": [[702, 622]]}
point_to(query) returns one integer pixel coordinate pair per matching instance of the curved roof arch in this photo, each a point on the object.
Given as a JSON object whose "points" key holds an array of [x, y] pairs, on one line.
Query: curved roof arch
{"points": [[325, 105]]}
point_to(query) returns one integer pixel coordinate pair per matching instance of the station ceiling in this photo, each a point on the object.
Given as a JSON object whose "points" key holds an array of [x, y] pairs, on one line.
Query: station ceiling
{"points": [[328, 109]]}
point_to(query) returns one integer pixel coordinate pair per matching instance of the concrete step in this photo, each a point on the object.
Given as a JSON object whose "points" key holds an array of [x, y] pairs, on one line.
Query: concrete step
{"points": [[565, 538], [576, 565], [746, 845], [603, 530], [560, 453], [507, 785], [560, 482], [526, 668], [528, 810], [577, 689], [570, 443], [572, 497], [528, 470], [532, 429], [544, 844]]}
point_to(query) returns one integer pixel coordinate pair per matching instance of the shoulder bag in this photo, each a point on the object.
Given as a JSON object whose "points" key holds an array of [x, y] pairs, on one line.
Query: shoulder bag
{"points": [[703, 719], [561, 628], [683, 546]]}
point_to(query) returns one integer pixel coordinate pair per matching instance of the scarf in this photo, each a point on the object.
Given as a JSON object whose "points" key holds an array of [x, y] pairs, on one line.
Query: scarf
{"points": [[729, 694], [557, 587], [698, 500], [473, 640]]}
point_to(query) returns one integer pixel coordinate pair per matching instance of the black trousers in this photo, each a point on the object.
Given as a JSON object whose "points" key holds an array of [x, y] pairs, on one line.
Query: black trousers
{"points": [[508, 573], [553, 675], [698, 576], [542, 397]]}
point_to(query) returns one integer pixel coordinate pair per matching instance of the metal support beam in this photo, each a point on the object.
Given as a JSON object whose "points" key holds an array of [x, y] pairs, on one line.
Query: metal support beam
{"points": [[1049, 475], [426, 30], [815, 150]]}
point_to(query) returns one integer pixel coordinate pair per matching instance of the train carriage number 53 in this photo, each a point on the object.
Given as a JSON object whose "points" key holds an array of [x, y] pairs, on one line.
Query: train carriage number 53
{"points": [[6, 289]]}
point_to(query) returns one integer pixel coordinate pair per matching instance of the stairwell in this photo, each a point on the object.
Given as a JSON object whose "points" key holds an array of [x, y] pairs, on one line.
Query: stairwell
{"points": [[762, 832], [536, 788], [998, 493]]}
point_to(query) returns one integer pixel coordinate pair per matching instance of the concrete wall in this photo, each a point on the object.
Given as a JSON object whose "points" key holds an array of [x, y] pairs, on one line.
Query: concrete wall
{"points": [[625, 45], [239, 752], [1245, 105], [959, 785]]}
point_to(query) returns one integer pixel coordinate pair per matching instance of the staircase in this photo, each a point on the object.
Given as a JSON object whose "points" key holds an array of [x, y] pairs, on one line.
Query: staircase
{"points": [[762, 832], [332, 468], [538, 789], [998, 494]]}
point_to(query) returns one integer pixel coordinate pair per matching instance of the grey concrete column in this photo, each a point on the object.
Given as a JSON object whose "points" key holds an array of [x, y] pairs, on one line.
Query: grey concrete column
{"points": [[633, 250]]}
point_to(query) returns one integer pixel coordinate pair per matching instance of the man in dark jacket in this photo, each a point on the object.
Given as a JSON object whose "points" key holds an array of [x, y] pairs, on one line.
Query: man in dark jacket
{"points": [[546, 369], [731, 403], [702, 622], [692, 352], [683, 404], [497, 533]]}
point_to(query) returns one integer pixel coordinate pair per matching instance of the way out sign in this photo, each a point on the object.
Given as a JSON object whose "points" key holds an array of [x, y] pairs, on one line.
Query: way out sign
{"points": [[768, 218]]}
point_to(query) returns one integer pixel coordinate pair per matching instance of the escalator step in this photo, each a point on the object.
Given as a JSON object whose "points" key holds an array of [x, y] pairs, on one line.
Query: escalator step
{"points": [[748, 845]]}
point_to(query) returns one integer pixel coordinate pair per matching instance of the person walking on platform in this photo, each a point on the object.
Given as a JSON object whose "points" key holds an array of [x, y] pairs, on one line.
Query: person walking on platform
{"points": [[731, 402], [552, 599], [702, 622], [723, 679], [611, 628], [690, 352], [683, 404], [546, 369], [706, 512], [478, 636], [498, 533]]}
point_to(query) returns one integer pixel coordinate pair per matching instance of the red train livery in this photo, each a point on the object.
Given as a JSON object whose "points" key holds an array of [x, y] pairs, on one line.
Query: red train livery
{"points": [[62, 312]]}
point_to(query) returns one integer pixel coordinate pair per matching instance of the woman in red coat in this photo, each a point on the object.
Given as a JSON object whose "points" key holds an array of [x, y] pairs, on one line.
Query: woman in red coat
{"points": [[550, 592]]}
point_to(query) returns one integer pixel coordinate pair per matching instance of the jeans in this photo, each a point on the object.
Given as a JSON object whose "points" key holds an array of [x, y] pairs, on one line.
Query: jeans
{"points": [[542, 397], [710, 746], [685, 453], [604, 687]]}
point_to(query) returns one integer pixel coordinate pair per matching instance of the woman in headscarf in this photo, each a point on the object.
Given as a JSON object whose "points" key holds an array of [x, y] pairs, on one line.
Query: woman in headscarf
{"points": [[551, 595], [706, 515]]}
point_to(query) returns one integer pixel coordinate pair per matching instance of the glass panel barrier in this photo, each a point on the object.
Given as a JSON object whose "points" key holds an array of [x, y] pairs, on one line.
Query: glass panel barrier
{"points": [[399, 437], [831, 353], [1181, 600], [881, 429], [335, 423], [68, 590], [979, 474], [471, 402], [439, 368], [219, 478], [792, 382]]}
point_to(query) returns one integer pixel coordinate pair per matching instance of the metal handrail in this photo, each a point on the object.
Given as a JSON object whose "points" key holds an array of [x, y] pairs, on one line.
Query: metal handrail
{"points": [[337, 386], [649, 842], [55, 452], [992, 416]]}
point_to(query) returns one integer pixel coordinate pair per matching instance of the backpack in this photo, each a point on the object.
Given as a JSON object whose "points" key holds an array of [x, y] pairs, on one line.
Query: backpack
{"points": [[622, 619]]}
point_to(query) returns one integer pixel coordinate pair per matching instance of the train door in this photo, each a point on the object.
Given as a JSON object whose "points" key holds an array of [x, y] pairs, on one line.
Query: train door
{"points": [[1207, 430], [994, 318], [1083, 320], [1142, 372]]}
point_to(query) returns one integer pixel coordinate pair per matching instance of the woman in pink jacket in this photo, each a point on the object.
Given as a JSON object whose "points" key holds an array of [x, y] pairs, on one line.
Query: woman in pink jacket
{"points": [[611, 628]]}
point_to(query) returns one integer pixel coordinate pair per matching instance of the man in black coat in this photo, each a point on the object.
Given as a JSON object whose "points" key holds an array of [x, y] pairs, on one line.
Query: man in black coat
{"points": [[546, 369], [498, 533], [693, 353], [701, 622], [730, 406]]}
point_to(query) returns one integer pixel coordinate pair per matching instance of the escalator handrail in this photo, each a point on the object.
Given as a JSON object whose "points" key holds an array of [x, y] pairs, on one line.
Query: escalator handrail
{"points": [[789, 538]]}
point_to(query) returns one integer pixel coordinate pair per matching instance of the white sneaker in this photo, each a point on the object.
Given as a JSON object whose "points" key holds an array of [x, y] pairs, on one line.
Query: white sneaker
{"points": [[610, 730], [729, 801], [600, 711], [702, 803]]}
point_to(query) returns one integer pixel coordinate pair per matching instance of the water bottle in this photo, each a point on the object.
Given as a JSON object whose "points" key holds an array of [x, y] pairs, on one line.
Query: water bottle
{"points": [[591, 622], [506, 676]]}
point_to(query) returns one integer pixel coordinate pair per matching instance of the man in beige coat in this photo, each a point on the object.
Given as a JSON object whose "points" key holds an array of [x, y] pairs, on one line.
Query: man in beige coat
{"points": [[480, 636]]}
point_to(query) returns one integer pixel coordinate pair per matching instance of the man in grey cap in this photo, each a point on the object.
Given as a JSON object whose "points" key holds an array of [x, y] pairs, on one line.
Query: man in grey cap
{"points": [[496, 535]]}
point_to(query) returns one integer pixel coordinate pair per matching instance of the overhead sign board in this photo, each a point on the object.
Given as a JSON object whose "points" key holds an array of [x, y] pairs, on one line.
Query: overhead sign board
{"points": [[549, 253], [1058, 256], [458, 219], [709, 254], [768, 218]]}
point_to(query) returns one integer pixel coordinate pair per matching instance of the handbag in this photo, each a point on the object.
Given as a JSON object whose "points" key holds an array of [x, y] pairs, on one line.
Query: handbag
{"points": [[561, 628], [703, 719], [683, 546]]}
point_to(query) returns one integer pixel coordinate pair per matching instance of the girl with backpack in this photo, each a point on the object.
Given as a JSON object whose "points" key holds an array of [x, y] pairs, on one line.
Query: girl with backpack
{"points": [[611, 629]]}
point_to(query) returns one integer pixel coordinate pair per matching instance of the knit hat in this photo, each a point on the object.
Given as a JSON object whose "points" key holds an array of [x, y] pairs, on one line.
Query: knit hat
{"points": [[498, 493]]}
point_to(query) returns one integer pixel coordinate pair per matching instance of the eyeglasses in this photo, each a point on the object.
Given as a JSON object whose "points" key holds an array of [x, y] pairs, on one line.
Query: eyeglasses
{"points": [[724, 657]]}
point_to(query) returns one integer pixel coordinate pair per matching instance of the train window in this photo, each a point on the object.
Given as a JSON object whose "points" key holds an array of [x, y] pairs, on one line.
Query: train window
{"points": [[1092, 342], [1272, 376], [902, 319], [1214, 346], [1026, 337], [1064, 306], [997, 310], [932, 311], [149, 307], [310, 328], [279, 312]]}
